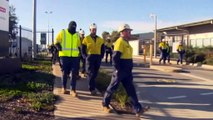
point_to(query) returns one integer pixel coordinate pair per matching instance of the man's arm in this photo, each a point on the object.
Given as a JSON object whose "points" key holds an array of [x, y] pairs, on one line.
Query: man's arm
{"points": [[116, 59]]}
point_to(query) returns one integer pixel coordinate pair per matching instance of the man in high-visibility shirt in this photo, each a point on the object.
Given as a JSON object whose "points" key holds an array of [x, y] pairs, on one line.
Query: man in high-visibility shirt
{"points": [[68, 42], [181, 52], [108, 49], [164, 50], [83, 68], [123, 64], [93, 51]]}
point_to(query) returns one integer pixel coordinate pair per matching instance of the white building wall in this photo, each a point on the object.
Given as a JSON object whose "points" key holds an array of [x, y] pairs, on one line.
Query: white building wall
{"points": [[135, 46], [201, 40]]}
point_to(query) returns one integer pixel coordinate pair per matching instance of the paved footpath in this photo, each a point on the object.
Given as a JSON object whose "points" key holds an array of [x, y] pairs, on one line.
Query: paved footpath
{"points": [[83, 107]]}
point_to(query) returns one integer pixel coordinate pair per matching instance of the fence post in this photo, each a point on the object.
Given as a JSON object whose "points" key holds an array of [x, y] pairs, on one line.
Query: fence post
{"points": [[52, 36], [151, 52], [144, 53], [20, 42]]}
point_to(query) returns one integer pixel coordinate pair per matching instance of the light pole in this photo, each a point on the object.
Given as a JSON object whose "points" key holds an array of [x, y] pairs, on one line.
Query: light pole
{"points": [[154, 16], [48, 13], [34, 30]]}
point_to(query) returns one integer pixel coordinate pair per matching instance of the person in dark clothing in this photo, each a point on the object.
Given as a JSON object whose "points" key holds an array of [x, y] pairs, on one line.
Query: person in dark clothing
{"points": [[168, 52], [93, 52], [68, 43], [181, 52], [83, 68], [123, 65], [164, 49], [108, 49]]}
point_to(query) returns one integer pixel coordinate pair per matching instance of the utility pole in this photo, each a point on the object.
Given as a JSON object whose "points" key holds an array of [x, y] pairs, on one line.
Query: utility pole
{"points": [[155, 33], [48, 13], [34, 31]]}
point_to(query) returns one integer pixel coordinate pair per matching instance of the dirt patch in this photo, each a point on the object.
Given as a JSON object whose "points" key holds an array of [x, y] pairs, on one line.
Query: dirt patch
{"points": [[19, 109]]}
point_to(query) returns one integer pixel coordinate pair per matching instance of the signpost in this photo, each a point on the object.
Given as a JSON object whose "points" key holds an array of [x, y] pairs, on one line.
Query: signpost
{"points": [[43, 39]]}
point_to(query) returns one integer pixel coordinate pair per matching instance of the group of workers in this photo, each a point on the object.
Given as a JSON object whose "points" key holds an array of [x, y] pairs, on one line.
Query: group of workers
{"points": [[73, 47], [165, 52]]}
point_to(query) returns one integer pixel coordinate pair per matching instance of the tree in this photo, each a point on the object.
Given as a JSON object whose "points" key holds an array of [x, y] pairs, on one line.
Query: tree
{"points": [[105, 35], [12, 22], [114, 35]]}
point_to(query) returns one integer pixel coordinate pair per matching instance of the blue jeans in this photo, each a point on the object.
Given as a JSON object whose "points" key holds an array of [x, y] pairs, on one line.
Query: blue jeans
{"points": [[70, 65], [180, 58]]}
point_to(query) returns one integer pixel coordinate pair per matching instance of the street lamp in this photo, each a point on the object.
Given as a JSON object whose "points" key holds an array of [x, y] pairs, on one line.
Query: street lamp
{"points": [[154, 16], [48, 13]]}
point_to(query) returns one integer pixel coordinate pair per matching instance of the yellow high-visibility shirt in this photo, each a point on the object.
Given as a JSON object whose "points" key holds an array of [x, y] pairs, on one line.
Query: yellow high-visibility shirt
{"points": [[70, 43], [123, 46], [163, 45], [180, 48], [93, 47]]}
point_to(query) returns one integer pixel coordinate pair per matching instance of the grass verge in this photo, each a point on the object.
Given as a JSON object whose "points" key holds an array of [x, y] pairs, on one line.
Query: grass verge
{"points": [[33, 85]]}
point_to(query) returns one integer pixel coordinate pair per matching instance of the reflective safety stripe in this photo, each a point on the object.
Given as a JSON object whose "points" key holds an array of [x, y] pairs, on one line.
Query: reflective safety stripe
{"points": [[75, 49], [69, 45]]}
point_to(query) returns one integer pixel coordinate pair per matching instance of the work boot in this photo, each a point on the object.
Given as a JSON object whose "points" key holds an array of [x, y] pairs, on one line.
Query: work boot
{"points": [[93, 92], [73, 93], [63, 90], [106, 109], [143, 110]]}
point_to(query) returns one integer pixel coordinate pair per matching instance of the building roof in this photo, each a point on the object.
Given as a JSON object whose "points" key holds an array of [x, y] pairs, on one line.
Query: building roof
{"points": [[193, 24]]}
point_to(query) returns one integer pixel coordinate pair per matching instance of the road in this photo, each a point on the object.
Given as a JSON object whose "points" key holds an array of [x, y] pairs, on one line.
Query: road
{"points": [[175, 96]]}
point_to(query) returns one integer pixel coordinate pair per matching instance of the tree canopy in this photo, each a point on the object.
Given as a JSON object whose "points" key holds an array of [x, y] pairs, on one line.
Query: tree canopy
{"points": [[12, 22]]}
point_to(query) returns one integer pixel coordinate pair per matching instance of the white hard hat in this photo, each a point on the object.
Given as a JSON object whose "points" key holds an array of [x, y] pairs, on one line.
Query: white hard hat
{"points": [[124, 27], [81, 32], [163, 40], [93, 26]]}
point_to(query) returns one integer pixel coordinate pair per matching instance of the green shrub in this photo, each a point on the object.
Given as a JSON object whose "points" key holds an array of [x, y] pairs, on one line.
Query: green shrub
{"points": [[41, 100], [34, 86], [121, 96], [7, 94]]}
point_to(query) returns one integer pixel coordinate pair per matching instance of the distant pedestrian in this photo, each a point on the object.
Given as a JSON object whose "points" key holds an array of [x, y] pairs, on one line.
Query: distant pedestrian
{"points": [[93, 52], [181, 52], [68, 42], [54, 52], [83, 61], [163, 48], [108, 49], [168, 52], [123, 65]]}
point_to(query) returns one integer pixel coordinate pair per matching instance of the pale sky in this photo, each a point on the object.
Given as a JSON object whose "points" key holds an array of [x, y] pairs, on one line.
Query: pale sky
{"points": [[109, 14]]}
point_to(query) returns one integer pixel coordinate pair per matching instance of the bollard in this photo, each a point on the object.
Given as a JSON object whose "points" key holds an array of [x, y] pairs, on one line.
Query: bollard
{"points": [[144, 53], [150, 53]]}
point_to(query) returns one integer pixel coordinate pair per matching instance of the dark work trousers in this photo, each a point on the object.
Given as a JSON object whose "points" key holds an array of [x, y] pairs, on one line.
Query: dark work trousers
{"points": [[163, 56], [108, 53], [93, 63], [83, 61], [168, 57], [70, 65], [180, 58], [125, 77]]}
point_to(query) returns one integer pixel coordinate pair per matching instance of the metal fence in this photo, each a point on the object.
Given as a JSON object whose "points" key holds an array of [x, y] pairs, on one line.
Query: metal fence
{"points": [[22, 46]]}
